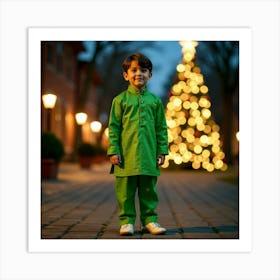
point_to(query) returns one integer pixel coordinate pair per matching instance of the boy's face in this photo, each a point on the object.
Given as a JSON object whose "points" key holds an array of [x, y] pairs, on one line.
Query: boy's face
{"points": [[136, 75]]}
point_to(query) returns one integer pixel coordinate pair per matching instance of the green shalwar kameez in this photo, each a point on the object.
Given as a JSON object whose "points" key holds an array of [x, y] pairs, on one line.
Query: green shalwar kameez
{"points": [[137, 132]]}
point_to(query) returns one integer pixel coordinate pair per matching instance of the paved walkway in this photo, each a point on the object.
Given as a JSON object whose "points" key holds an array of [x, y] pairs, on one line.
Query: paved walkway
{"points": [[81, 204]]}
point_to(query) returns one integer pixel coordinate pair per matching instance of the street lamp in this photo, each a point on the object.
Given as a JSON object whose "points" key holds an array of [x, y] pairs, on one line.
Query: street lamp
{"points": [[81, 119], [95, 126], [49, 101], [106, 132], [237, 135]]}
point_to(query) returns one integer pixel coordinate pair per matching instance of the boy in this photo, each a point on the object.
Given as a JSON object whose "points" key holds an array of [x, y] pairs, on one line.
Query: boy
{"points": [[137, 146]]}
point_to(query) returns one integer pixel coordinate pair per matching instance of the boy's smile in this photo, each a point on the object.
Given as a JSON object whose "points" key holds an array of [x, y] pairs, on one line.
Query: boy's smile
{"points": [[137, 76]]}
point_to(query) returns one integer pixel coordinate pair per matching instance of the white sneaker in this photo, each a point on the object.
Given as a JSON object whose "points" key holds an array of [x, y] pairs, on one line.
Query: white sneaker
{"points": [[155, 228], [126, 229]]}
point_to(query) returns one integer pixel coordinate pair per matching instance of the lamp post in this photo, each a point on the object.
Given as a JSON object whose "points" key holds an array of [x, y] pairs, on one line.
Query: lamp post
{"points": [[49, 101], [81, 119], [96, 127]]}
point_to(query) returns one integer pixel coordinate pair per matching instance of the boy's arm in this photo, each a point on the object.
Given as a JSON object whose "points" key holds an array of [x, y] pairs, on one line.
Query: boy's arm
{"points": [[161, 131], [114, 126]]}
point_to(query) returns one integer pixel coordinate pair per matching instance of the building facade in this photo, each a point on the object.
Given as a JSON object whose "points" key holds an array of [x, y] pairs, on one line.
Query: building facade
{"points": [[63, 74]]}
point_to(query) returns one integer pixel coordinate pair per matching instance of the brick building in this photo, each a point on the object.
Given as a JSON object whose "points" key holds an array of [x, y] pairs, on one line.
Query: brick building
{"points": [[63, 75]]}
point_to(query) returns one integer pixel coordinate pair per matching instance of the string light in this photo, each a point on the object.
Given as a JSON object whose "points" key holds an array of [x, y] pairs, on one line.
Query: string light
{"points": [[193, 135]]}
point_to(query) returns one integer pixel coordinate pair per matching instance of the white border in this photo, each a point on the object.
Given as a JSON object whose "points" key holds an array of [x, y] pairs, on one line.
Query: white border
{"points": [[263, 260], [36, 35]]}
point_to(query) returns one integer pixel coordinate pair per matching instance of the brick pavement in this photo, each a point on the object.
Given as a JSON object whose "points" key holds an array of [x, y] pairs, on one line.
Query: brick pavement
{"points": [[81, 204]]}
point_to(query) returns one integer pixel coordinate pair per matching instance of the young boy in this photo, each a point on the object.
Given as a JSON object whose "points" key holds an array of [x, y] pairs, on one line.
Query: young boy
{"points": [[137, 146]]}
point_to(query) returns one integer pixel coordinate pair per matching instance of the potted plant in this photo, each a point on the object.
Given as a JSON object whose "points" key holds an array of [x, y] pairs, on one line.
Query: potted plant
{"points": [[52, 151], [86, 152], [100, 156]]}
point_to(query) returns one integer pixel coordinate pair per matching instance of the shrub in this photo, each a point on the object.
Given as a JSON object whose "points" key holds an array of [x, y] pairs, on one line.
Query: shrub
{"points": [[87, 149], [51, 147]]}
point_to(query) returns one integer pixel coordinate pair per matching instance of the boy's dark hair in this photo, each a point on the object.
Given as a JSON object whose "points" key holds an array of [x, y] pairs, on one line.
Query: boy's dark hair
{"points": [[142, 60]]}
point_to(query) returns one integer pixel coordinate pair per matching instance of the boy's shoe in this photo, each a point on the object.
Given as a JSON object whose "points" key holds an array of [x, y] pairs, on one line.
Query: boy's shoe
{"points": [[155, 228], [126, 229]]}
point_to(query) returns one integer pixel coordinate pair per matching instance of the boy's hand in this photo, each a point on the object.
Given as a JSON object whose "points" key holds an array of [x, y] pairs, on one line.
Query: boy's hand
{"points": [[160, 159], [116, 159]]}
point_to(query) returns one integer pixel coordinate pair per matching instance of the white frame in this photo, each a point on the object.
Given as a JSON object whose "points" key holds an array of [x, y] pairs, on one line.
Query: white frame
{"points": [[36, 35]]}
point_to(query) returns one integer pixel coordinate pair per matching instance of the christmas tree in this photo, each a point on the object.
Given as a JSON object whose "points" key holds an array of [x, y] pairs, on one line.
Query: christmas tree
{"points": [[193, 135]]}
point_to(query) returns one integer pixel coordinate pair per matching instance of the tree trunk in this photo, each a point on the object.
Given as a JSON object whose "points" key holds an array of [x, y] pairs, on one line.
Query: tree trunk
{"points": [[227, 125]]}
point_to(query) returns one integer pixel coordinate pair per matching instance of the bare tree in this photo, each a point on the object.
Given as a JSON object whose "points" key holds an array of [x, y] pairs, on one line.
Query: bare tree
{"points": [[221, 59]]}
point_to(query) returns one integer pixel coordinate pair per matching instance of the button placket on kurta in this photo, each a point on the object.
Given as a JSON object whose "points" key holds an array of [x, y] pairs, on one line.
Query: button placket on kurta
{"points": [[142, 132], [141, 112]]}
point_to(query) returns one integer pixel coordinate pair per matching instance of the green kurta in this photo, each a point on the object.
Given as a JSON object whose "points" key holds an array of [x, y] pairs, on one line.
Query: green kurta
{"points": [[137, 132]]}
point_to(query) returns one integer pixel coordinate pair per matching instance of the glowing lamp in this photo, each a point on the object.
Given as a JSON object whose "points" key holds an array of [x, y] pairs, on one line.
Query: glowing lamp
{"points": [[96, 126], [49, 100], [81, 118], [237, 136], [106, 132]]}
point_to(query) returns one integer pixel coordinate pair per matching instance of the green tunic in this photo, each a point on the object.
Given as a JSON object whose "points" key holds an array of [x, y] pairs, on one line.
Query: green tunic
{"points": [[137, 132]]}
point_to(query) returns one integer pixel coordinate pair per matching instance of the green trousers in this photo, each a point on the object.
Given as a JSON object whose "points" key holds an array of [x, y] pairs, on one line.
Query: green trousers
{"points": [[126, 188]]}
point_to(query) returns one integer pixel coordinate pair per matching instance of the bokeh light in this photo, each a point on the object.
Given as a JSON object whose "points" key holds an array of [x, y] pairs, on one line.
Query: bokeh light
{"points": [[193, 135]]}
